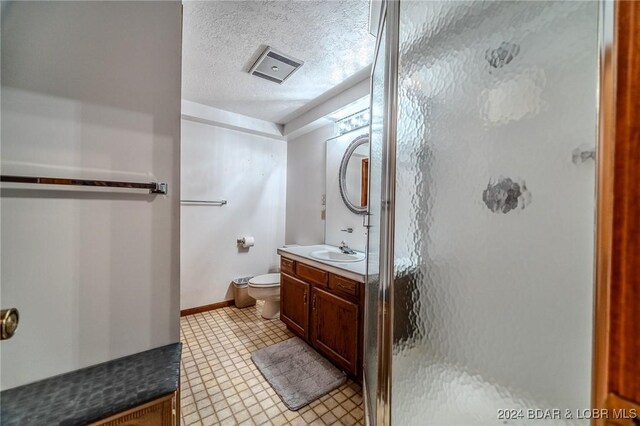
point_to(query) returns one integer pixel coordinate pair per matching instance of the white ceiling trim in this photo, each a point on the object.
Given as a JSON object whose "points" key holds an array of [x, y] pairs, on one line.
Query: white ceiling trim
{"points": [[319, 114], [305, 122], [354, 79], [230, 120]]}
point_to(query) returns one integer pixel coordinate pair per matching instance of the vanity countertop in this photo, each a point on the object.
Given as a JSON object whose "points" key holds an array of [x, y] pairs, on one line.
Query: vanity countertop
{"points": [[94, 393], [353, 270]]}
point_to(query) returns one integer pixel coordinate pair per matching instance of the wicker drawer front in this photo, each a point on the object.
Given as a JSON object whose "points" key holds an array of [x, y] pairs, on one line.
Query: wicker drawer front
{"points": [[314, 275], [287, 265], [343, 285], [159, 412]]}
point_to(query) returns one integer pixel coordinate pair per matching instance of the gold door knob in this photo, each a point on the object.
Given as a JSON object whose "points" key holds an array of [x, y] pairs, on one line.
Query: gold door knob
{"points": [[9, 319]]}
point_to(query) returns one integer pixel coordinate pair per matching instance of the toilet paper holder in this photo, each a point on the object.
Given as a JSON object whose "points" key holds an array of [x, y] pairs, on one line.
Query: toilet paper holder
{"points": [[245, 242]]}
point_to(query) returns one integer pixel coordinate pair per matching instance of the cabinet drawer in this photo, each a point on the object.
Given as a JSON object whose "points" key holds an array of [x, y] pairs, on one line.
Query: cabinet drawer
{"points": [[343, 285], [287, 265], [309, 273]]}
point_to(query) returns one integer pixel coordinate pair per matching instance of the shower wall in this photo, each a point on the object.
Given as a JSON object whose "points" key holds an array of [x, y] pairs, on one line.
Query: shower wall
{"points": [[495, 181]]}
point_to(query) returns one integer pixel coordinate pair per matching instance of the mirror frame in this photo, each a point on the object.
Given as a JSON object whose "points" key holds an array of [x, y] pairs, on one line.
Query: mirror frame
{"points": [[360, 140]]}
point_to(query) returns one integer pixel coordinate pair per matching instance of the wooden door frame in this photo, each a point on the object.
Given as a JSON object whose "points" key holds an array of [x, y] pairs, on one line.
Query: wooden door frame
{"points": [[618, 199]]}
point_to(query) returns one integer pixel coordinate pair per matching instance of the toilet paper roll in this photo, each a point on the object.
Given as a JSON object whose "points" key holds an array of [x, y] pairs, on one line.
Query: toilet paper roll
{"points": [[247, 241]]}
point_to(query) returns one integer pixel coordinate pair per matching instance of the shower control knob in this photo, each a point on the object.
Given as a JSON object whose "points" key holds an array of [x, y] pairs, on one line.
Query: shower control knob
{"points": [[9, 319]]}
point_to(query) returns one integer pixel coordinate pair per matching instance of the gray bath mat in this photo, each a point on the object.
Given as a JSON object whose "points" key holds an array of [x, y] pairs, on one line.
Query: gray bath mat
{"points": [[297, 373]]}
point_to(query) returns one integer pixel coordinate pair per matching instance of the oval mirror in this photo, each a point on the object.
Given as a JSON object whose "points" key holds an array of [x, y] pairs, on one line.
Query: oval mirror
{"points": [[354, 175]]}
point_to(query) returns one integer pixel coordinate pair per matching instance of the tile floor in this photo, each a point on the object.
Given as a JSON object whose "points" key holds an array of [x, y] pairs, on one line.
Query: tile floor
{"points": [[221, 385]]}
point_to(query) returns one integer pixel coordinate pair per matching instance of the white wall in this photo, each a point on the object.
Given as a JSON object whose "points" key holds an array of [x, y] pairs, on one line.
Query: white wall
{"points": [[338, 215], [248, 171], [89, 90], [306, 186]]}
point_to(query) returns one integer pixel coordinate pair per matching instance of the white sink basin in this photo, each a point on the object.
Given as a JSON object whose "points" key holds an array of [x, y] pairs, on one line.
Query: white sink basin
{"points": [[336, 256]]}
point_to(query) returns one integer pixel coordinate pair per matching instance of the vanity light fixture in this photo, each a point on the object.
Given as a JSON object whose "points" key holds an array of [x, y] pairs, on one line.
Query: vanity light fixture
{"points": [[353, 121]]}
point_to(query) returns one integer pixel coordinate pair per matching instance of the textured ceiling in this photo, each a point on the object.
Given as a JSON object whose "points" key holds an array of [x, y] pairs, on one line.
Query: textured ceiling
{"points": [[222, 40]]}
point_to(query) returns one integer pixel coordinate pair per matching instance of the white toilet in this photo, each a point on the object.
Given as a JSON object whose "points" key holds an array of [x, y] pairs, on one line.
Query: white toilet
{"points": [[267, 287]]}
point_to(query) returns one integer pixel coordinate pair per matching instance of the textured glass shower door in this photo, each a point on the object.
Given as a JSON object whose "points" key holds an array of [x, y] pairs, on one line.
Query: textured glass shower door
{"points": [[493, 243]]}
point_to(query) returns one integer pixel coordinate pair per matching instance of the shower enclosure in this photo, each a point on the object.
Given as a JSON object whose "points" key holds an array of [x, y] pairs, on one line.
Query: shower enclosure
{"points": [[484, 127]]}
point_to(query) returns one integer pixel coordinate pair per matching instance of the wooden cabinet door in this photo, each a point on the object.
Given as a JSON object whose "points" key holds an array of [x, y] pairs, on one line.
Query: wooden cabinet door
{"points": [[334, 329], [617, 354], [294, 304]]}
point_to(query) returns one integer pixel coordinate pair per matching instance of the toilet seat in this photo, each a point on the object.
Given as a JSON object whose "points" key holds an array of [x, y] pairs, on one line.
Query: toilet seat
{"points": [[265, 281]]}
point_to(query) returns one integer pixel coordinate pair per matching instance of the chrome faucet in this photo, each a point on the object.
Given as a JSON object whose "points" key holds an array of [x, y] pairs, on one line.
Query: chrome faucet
{"points": [[345, 248]]}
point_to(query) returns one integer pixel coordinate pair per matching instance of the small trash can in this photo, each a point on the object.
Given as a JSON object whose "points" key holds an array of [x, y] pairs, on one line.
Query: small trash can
{"points": [[241, 293]]}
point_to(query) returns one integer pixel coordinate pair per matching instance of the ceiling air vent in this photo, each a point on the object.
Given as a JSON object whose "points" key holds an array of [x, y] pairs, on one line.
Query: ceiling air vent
{"points": [[274, 66]]}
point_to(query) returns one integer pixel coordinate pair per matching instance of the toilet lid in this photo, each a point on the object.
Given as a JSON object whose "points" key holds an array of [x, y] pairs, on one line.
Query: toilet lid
{"points": [[266, 280]]}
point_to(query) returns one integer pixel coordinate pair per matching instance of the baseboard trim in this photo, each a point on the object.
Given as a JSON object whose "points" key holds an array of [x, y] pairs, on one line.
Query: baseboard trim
{"points": [[205, 308]]}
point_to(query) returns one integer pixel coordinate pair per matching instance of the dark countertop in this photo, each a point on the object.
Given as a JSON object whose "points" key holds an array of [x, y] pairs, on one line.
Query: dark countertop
{"points": [[94, 393]]}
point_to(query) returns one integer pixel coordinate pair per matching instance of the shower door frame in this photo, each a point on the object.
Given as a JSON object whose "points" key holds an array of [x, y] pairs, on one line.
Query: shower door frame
{"points": [[390, 20], [371, 406], [387, 228]]}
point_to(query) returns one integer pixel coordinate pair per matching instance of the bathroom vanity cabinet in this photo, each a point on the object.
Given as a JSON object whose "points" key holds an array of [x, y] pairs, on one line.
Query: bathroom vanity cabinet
{"points": [[325, 309]]}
